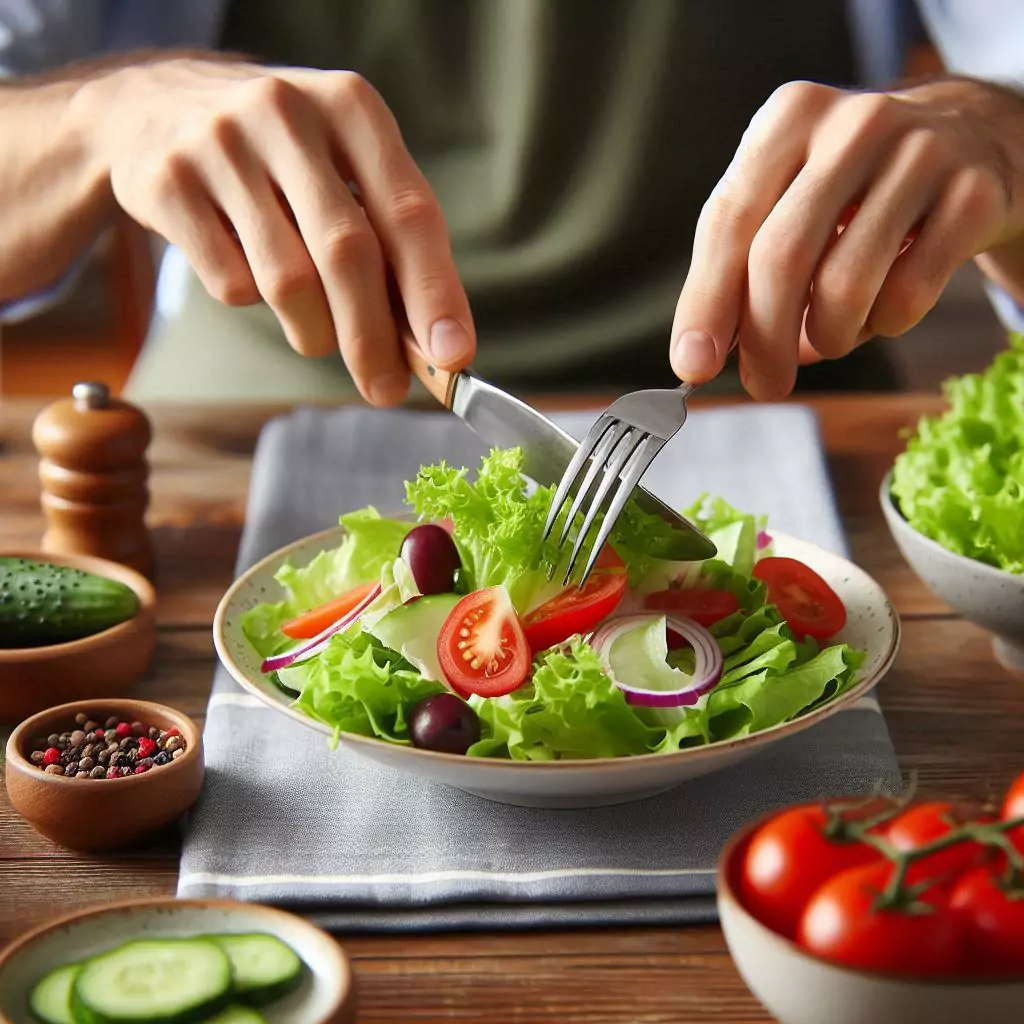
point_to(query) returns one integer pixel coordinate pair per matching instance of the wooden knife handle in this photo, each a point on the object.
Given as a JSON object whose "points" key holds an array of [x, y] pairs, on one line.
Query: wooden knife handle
{"points": [[440, 383]]}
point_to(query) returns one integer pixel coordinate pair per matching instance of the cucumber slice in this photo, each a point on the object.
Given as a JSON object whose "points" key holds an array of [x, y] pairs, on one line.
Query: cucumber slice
{"points": [[237, 1015], [412, 629], [263, 967], [50, 999], [153, 981]]}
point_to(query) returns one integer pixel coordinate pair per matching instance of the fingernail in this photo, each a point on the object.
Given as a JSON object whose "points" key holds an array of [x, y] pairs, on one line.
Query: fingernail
{"points": [[449, 341], [695, 355], [388, 389]]}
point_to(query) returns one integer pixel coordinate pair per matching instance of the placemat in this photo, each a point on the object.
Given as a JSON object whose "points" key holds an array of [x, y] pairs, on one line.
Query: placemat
{"points": [[357, 846]]}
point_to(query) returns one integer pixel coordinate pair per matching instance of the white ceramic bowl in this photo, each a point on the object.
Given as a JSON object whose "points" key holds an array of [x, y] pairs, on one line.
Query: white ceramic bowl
{"points": [[872, 626], [326, 996], [983, 594], [797, 987]]}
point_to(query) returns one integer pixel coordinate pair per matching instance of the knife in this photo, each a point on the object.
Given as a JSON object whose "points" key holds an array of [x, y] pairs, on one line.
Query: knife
{"points": [[503, 421]]}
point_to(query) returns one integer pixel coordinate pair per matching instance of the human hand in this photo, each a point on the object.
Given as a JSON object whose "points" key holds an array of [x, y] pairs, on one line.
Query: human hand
{"points": [[843, 216], [246, 170]]}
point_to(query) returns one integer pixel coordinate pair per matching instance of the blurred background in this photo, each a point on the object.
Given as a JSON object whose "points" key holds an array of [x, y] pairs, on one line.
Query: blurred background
{"points": [[98, 325]]}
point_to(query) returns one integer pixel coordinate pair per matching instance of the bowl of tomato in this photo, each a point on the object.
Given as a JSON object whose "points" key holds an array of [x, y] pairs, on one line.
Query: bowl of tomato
{"points": [[878, 911]]}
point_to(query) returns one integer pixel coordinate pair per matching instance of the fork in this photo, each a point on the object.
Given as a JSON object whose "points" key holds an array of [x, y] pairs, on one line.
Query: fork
{"points": [[624, 441]]}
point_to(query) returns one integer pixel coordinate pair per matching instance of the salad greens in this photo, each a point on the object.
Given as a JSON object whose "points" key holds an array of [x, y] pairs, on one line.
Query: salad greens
{"points": [[961, 479], [571, 703]]}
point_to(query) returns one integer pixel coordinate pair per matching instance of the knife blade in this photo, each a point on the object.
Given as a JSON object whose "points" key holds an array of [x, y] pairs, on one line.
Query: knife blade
{"points": [[503, 421]]}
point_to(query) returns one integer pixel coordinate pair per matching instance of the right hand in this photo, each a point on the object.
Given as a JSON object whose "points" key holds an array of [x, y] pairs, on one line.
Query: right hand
{"points": [[246, 169]]}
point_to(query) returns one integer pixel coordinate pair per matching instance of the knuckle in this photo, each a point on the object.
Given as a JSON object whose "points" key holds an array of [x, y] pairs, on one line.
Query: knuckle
{"points": [[351, 89], [924, 147], [723, 216], [797, 97], [350, 245], [779, 256], [864, 117], [979, 194], [171, 177], [233, 289], [414, 211], [226, 133], [840, 291], [288, 282], [273, 94], [907, 299]]}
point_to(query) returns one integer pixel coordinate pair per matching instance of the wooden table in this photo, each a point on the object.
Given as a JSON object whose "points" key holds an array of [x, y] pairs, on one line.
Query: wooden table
{"points": [[954, 715]]}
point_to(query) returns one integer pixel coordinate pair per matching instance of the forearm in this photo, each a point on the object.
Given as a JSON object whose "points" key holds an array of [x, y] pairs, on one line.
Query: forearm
{"points": [[55, 192]]}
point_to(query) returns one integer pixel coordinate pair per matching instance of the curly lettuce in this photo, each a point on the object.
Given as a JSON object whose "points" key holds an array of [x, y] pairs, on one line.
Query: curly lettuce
{"points": [[960, 480]]}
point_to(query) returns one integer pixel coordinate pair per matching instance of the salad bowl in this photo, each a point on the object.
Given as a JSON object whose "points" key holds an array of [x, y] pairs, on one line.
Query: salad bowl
{"points": [[872, 626]]}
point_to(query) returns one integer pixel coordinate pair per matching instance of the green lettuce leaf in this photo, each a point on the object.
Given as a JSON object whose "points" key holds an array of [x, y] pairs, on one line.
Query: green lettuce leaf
{"points": [[359, 686], [571, 709], [734, 533], [960, 480]]}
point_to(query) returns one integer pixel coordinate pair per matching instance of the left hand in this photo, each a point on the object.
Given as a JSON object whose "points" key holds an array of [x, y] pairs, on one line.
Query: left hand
{"points": [[842, 216]]}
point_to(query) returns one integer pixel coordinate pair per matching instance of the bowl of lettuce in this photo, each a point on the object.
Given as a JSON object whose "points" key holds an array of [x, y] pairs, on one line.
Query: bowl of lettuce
{"points": [[656, 673], [954, 500]]}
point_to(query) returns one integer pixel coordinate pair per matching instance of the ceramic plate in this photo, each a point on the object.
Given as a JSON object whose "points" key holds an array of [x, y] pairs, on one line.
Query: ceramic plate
{"points": [[872, 626], [325, 997]]}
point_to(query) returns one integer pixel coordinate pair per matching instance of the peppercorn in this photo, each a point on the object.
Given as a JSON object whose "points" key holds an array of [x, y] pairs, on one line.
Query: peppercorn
{"points": [[51, 755], [119, 760], [122, 730], [53, 769], [153, 732], [112, 722], [81, 718], [103, 757], [110, 735], [147, 747], [36, 757], [178, 753], [173, 744], [113, 773], [138, 729], [81, 774], [52, 740], [162, 758], [71, 768], [141, 769], [90, 726], [87, 764], [99, 772], [77, 738]]}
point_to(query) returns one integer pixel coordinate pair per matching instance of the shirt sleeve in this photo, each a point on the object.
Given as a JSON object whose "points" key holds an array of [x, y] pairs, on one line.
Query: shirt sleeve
{"points": [[40, 35]]}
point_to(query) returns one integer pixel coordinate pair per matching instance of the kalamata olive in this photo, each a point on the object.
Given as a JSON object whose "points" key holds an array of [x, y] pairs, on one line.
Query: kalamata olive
{"points": [[444, 722], [431, 554]]}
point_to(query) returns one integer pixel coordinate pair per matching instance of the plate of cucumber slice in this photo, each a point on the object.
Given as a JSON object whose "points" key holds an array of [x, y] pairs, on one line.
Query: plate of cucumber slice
{"points": [[164, 961]]}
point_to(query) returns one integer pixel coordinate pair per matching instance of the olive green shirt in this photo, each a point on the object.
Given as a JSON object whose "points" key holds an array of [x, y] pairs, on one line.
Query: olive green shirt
{"points": [[571, 144]]}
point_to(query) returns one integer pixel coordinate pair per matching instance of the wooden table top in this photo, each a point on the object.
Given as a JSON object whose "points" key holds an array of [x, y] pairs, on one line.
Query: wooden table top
{"points": [[953, 712]]}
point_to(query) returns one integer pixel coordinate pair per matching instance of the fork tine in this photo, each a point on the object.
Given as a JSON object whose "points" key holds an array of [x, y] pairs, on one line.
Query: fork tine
{"points": [[604, 451], [615, 465], [596, 432], [642, 457]]}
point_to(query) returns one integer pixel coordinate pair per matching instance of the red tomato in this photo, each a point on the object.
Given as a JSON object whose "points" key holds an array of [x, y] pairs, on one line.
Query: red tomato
{"points": [[842, 924], [704, 605], [481, 646], [992, 923], [805, 600], [1013, 807], [923, 823], [573, 610], [788, 858], [315, 621]]}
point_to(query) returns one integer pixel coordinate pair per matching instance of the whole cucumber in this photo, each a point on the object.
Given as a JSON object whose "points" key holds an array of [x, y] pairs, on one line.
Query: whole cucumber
{"points": [[42, 603]]}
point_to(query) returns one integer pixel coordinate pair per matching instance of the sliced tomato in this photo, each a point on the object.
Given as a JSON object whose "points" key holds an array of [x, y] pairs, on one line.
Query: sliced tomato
{"points": [[704, 605], [804, 599], [481, 646], [315, 621], [573, 610]]}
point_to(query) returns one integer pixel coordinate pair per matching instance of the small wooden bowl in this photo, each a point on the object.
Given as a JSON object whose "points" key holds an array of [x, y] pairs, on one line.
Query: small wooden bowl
{"points": [[105, 664], [104, 815], [327, 994]]}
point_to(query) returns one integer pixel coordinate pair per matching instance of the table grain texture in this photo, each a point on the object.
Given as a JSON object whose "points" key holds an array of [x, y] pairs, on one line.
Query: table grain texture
{"points": [[953, 712]]}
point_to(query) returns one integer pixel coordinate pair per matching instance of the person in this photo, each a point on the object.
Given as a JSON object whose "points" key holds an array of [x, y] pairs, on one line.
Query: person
{"points": [[521, 182]]}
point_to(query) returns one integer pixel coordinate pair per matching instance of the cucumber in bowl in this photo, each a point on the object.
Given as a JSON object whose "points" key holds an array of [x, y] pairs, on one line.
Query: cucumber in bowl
{"points": [[220, 978]]}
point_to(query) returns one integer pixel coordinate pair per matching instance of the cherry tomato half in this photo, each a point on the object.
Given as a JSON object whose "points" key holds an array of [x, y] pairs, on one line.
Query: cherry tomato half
{"points": [[481, 646], [703, 605], [842, 924], [573, 610], [788, 858], [316, 620], [992, 923], [804, 599], [923, 823]]}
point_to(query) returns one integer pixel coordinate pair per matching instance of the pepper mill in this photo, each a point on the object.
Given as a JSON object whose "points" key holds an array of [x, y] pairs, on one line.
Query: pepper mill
{"points": [[94, 476]]}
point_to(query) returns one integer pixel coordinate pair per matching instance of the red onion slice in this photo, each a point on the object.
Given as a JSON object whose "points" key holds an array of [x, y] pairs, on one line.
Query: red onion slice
{"points": [[707, 661], [763, 540], [313, 646]]}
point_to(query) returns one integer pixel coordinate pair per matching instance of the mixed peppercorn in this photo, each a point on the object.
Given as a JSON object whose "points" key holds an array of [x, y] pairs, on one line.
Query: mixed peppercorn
{"points": [[109, 750]]}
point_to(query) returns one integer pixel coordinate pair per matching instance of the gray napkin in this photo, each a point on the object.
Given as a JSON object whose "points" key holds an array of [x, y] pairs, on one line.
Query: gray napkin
{"points": [[357, 846]]}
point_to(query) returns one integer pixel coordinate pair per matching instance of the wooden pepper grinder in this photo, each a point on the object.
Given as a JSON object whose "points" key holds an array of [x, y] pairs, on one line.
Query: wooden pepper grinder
{"points": [[94, 476]]}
